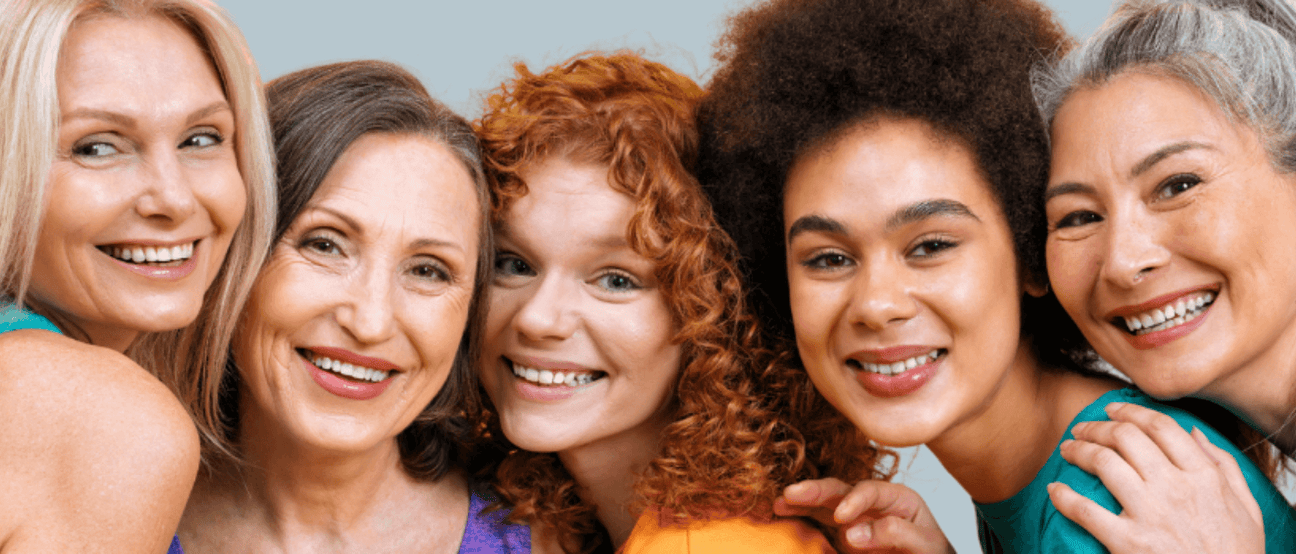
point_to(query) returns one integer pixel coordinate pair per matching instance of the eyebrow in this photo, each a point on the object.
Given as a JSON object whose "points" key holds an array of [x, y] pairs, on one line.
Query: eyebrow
{"points": [[912, 213], [130, 122], [417, 244], [1143, 166]]}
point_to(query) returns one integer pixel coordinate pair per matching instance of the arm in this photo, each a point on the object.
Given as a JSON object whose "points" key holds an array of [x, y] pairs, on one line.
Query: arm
{"points": [[98, 455], [1179, 492], [871, 516]]}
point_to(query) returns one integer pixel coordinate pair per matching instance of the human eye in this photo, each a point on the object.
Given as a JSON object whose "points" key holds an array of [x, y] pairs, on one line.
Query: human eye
{"points": [[322, 242], [618, 281], [204, 138], [929, 247], [1077, 218], [827, 261], [1176, 185], [430, 270], [508, 264], [94, 147]]}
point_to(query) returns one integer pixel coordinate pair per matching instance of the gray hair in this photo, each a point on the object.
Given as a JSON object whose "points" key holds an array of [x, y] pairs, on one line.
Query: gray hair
{"points": [[1239, 53]]}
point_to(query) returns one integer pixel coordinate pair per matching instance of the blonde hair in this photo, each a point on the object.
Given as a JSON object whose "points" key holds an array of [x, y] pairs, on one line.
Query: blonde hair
{"points": [[191, 360]]}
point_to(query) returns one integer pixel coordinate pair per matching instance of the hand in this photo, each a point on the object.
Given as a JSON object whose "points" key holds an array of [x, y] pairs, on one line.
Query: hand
{"points": [[874, 516], [1180, 493]]}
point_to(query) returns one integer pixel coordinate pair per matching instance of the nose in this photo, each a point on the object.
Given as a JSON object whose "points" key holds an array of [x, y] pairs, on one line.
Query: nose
{"points": [[367, 311], [168, 191], [882, 296], [1134, 248], [549, 312]]}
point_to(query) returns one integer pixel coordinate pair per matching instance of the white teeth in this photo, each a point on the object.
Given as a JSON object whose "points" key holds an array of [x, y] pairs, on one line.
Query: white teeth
{"points": [[547, 377], [353, 371], [142, 254], [901, 366], [1171, 315]]}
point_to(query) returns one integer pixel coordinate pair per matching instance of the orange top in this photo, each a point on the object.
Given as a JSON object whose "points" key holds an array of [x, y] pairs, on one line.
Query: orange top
{"points": [[738, 535]]}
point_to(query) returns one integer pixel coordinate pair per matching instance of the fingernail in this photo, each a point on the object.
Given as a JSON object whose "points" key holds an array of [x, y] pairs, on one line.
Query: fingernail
{"points": [[1051, 486], [1066, 444], [795, 488], [1080, 427], [859, 535], [1110, 408]]}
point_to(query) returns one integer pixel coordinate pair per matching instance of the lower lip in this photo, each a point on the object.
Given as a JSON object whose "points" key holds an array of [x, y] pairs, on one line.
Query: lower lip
{"points": [[171, 273], [1148, 341], [891, 386], [346, 388], [531, 391]]}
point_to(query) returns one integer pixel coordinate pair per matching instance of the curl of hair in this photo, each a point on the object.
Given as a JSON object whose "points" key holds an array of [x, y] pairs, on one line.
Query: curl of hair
{"points": [[190, 361], [796, 74], [1239, 53], [316, 114], [737, 439]]}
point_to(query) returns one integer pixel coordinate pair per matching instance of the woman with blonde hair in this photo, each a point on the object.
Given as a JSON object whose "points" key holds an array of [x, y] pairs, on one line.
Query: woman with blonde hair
{"points": [[135, 161], [632, 399]]}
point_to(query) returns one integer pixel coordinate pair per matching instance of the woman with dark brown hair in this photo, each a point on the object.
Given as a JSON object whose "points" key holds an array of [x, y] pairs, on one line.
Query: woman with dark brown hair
{"points": [[631, 398], [353, 359]]}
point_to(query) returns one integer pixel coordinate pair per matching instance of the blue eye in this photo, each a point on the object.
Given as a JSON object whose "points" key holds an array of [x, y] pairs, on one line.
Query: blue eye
{"points": [[618, 282], [507, 264]]}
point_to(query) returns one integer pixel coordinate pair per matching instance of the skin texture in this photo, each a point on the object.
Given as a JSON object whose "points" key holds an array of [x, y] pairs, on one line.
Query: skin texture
{"points": [[100, 455], [570, 294], [895, 240], [1197, 219], [379, 263], [145, 156]]}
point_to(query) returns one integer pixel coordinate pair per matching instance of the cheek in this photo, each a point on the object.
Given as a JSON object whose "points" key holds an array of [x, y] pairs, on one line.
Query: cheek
{"points": [[225, 195], [815, 306]]}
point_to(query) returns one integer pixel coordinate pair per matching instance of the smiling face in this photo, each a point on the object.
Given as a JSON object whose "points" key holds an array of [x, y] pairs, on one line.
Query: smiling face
{"points": [[1167, 227], [902, 280], [354, 322], [145, 193], [578, 338]]}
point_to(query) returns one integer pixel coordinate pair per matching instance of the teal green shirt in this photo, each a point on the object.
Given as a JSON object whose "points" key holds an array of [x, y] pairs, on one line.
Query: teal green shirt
{"points": [[12, 319], [1028, 522]]}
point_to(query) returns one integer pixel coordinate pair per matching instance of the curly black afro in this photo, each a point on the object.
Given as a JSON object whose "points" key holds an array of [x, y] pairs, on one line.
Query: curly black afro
{"points": [[795, 73]]}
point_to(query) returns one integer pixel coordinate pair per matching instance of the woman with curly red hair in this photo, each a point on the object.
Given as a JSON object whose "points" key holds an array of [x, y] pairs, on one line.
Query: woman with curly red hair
{"points": [[633, 402]]}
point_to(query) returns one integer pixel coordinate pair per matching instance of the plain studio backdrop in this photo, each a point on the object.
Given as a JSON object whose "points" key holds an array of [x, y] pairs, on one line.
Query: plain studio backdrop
{"points": [[463, 50]]}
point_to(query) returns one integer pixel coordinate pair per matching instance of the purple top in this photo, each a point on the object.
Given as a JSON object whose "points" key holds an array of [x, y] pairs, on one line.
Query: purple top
{"points": [[175, 547], [487, 532]]}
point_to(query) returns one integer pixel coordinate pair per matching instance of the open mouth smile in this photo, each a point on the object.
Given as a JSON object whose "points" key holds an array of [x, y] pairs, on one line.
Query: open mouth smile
{"points": [[152, 255], [1169, 316], [548, 378]]}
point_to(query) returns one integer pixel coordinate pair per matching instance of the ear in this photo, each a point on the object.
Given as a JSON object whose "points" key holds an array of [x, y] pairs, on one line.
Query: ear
{"points": [[1038, 290]]}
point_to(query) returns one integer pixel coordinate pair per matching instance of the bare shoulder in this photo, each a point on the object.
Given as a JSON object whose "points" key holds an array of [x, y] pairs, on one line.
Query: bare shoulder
{"points": [[100, 453]]}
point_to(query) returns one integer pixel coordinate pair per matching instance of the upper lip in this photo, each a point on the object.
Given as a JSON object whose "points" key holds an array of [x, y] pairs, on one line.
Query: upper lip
{"points": [[148, 242], [546, 363], [346, 356], [1136, 309], [891, 354]]}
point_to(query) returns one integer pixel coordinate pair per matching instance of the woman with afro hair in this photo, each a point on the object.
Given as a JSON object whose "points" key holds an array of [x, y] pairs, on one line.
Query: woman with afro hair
{"points": [[880, 165], [633, 405]]}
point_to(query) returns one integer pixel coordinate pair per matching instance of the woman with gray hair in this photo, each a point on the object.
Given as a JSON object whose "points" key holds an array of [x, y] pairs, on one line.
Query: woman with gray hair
{"points": [[1171, 204], [135, 205]]}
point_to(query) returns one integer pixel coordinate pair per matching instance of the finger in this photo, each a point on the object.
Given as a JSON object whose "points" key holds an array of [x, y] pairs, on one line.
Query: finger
{"points": [[816, 493], [1232, 474], [1124, 483], [1175, 442], [898, 534], [1105, 526], [879, 499], [1129, 442]]}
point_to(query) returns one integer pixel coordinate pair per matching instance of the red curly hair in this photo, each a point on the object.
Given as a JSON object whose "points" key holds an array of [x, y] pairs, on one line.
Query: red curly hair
{"points": [[747, 423]]}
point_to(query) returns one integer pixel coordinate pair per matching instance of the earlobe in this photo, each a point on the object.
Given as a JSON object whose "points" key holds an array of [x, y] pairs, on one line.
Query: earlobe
{"points": [[1038, 290]]}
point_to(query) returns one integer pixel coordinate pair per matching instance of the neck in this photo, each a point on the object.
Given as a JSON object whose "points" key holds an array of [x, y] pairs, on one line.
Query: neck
{"points": [[606, 471], [995, 453], [1263, 391]]}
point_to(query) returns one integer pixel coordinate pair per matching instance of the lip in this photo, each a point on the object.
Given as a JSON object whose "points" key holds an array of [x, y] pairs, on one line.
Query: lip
{"points": [[1148, 341], [344, 388], [891, 386], [1158, 302], [347, 356], [530, 391], [174, 273], [891, 354]]}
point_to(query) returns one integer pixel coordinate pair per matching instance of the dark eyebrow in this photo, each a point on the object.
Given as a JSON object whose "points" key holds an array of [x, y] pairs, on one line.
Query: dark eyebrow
{"points": [[925, 209], [1067, 188], [1165, 152], [815, 223]]}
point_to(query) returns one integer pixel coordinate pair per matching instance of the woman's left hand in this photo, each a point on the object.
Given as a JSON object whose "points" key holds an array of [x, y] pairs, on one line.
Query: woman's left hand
{"points": [[1180, 493], [872, 516]]}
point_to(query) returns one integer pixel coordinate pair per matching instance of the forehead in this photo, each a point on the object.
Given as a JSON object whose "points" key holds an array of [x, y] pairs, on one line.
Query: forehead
{"points": [[880, 166], [568, 193]]}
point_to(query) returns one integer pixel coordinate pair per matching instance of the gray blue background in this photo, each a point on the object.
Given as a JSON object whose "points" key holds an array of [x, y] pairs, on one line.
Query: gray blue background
{"points": [[461, 50]]}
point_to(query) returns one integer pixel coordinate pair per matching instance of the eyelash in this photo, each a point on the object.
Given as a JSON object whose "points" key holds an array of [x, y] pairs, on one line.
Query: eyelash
{"points": [[436, 272], [1163, 191], [631, 285], [821, 261], [314, 239], [503, 259], [941, 244]]}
